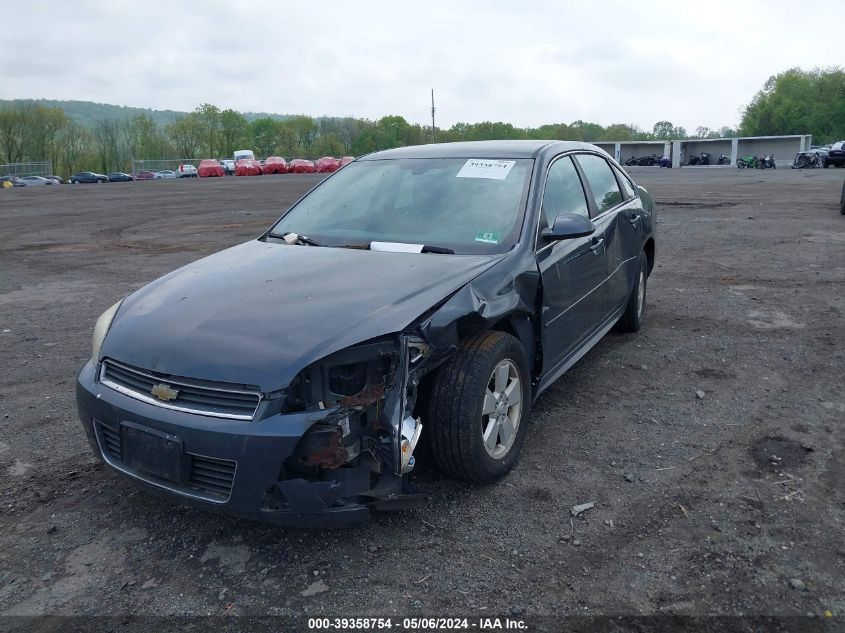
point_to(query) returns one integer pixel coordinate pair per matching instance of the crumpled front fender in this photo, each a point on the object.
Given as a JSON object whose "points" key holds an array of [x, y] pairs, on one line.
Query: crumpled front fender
{"points": [[509, 291]]}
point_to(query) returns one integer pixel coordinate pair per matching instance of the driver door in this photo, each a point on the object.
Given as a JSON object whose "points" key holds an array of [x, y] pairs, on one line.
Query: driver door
{"points": [[572, 271]]}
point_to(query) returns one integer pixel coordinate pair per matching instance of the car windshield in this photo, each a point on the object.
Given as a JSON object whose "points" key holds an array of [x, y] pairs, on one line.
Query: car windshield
{"points": [[470, 206]]}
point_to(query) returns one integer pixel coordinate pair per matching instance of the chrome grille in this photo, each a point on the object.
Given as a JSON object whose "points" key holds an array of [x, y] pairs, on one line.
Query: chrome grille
{"points": [[193, 396]]}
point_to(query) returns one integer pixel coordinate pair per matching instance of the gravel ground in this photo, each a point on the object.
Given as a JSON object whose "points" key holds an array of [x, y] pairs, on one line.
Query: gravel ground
{"points": [[711, 442]]}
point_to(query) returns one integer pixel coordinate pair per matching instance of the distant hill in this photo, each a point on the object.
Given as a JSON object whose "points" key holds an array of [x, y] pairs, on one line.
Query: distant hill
{"points": [[87, 113]]}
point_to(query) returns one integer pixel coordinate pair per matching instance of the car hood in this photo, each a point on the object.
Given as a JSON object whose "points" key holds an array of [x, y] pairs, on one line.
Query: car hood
{"points": [[258, 313]]}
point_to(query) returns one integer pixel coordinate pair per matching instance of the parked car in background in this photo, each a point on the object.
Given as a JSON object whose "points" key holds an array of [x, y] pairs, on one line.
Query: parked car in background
{"points": [[836, 155], [275, 165], [119, 176], [210, 168], [821, 154], [301, 166], [809, 159], [31, 181], [248, 167], [289, 379], [144, 175], [8, 182], [243, 154], [87, 176], [228, 166], [57, 179], [186, 170], [165, 173], [327, 165]]}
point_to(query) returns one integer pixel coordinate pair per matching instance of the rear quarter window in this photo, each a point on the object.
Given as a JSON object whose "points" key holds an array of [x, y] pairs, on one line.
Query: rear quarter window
{"points": [[627, 185]]}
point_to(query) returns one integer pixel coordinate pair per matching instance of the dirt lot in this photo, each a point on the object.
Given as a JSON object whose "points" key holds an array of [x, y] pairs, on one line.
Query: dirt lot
{"points": [[711, 442]]}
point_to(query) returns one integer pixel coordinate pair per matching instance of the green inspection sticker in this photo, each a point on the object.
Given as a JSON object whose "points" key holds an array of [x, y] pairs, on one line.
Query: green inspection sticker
{"points": [[487, 238]]}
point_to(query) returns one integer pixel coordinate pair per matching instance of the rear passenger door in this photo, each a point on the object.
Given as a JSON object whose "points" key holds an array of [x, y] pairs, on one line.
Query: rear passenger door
{"points": [[610, 210], [629, 223], [573, 271]]}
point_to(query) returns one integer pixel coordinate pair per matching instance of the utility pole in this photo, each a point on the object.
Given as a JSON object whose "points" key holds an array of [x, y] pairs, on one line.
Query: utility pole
{"points": [[433, 127]]}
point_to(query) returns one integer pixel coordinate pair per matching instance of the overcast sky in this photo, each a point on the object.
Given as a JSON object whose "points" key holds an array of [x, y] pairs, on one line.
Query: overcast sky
{"points": [[526, 62]]}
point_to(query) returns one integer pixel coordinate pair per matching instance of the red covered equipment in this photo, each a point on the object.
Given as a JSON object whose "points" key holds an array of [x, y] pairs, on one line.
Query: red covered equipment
{"points": [[210, 167], [346, 160], [301, 166], [327, 164], [248, 167], [275, 165]]}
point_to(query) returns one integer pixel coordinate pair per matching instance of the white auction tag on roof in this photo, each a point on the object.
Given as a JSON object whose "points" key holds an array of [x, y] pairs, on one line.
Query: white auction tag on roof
{"points": [[485, 168]]}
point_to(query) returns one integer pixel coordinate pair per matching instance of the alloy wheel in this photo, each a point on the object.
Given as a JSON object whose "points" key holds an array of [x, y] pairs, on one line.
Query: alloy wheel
{"points": [[502, 409]]}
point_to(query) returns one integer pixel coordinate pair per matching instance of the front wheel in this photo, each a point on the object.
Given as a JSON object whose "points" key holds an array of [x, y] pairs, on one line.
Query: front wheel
{"points": [[478, 408], [740, 164]]}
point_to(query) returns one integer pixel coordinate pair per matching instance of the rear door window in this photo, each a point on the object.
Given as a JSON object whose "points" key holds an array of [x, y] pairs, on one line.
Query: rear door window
{"points": [[602, 182]]}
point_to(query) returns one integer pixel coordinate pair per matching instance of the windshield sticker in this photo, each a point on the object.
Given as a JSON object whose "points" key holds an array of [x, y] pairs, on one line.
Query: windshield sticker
{"points": [[487, 238], [490, 169], [396, 247]]}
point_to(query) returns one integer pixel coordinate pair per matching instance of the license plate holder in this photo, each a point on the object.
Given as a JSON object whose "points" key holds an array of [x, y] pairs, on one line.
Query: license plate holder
{"points": [[153, 452]]}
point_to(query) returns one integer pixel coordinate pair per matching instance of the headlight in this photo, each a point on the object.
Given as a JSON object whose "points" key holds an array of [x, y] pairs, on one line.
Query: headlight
{"points": [[100, 329]]}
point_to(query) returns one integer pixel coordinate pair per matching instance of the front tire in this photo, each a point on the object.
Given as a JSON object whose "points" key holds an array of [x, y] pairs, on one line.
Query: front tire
{"points": [[632, 318], [478, 408]]}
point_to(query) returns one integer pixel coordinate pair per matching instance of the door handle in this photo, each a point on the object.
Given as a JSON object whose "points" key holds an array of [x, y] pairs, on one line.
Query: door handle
{"points": [[595, 244], [635, 219]]}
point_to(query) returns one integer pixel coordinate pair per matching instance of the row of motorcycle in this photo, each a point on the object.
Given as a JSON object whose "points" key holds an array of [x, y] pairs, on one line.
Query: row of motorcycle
{"points": [[757, 162], [704, 158], [697, 159], [644, 161]]}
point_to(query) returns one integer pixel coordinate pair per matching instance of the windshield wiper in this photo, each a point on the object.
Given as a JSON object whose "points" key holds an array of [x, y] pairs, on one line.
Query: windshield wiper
{"points": [[440, 250]]}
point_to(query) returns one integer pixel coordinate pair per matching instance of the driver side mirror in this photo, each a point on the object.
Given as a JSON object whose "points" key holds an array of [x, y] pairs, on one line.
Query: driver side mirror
{"points": [[568, 226]]}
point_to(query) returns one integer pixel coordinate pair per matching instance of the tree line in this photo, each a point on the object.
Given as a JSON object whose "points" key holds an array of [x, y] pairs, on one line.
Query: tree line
{"points": [[799, 101], [33, 132], [792, 102]]}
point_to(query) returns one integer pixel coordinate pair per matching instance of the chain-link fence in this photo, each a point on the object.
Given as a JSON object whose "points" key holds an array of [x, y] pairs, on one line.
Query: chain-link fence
{"points": [[42, 168]]}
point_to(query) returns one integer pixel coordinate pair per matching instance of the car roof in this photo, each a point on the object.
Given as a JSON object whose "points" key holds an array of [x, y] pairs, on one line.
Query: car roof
{"points": [[481, 149]]}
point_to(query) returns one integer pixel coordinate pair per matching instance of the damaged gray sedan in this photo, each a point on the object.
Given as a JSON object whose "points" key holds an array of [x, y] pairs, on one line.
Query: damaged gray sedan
{"points": [[422, 294]]}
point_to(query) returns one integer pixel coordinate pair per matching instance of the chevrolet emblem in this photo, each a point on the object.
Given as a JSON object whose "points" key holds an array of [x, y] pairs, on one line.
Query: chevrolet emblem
{"points": [[164, 392]]}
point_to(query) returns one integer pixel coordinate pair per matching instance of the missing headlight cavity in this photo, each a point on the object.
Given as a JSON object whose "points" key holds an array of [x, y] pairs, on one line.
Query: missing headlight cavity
{"points": [[369, 393], [352, 385], [347, 380], [343, 379]]}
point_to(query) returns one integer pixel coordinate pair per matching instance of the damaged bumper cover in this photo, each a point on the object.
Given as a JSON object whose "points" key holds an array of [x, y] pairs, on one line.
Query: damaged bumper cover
{"points": [[340, 453]]}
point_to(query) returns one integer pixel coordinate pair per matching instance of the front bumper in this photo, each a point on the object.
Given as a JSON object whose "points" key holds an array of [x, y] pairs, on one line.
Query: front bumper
{"points": [[243, 459]]}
